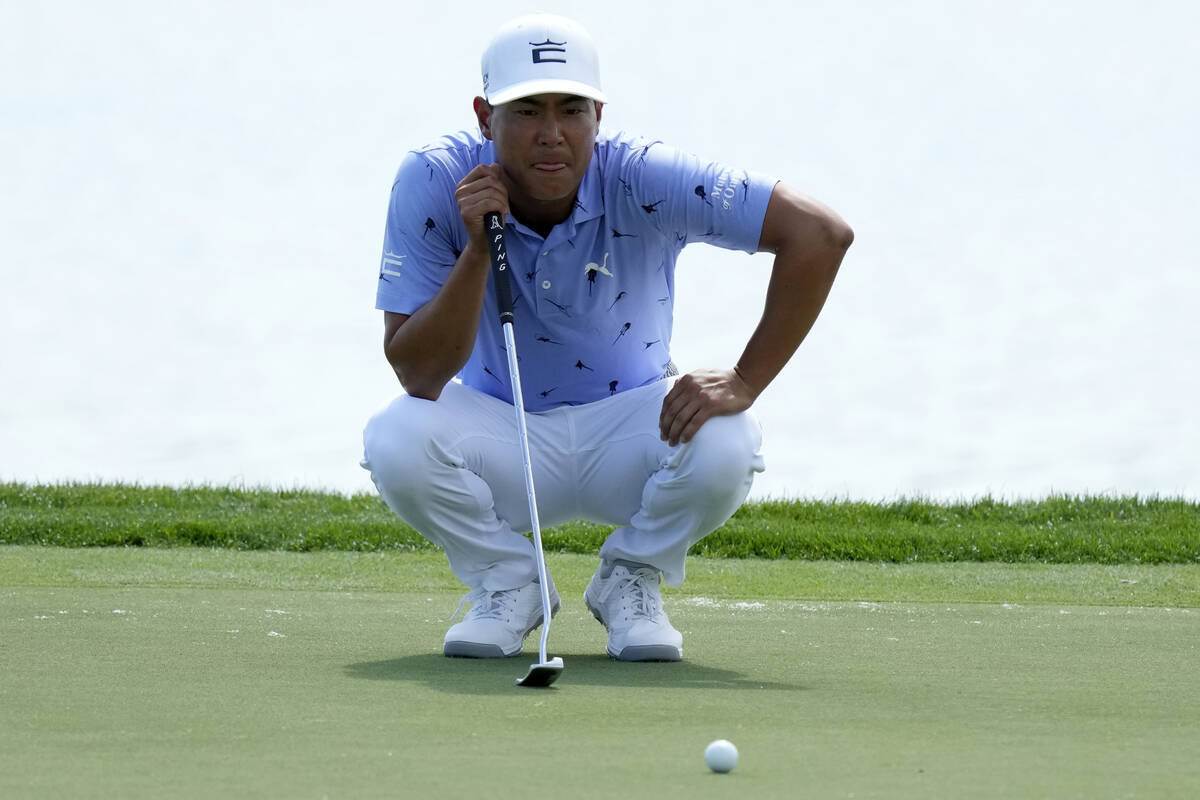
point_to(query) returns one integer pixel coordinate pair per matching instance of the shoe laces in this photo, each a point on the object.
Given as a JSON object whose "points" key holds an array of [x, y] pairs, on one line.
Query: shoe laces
{"points": [[487, 605], [638, 592]]}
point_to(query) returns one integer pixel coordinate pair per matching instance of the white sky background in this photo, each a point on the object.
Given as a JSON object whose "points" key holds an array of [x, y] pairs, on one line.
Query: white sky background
{"points": [[192, 199]]}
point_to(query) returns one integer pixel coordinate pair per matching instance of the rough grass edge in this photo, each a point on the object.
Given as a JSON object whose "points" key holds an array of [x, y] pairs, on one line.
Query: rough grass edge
{"points": [[1105, 529]]}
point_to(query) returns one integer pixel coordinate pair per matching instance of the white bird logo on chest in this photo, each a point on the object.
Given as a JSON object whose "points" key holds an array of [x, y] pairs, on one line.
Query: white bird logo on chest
{"points": [[593, 269]]}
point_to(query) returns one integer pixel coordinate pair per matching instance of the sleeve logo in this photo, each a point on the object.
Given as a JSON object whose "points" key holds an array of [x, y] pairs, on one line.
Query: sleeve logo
{"points": [[392, 262]]}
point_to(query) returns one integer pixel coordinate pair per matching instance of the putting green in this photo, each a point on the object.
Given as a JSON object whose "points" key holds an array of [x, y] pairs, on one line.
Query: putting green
{"points": [[220, 688]]}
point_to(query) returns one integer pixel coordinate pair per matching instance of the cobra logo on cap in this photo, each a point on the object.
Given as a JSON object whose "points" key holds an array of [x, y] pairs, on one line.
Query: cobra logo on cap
{"points": [[540, 49]]}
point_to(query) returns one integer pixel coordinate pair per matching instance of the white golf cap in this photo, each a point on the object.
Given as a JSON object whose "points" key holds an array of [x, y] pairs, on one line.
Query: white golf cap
{"points": [[539, 54]]}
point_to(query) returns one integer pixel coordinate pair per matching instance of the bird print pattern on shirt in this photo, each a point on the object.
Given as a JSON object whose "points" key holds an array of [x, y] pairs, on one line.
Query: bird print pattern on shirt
{"points": [[428, 165], [596, 326]]}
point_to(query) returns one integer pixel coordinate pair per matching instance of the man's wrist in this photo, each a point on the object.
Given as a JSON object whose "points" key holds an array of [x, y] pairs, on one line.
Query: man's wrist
{"points": [[476, 255], [751, 389]]}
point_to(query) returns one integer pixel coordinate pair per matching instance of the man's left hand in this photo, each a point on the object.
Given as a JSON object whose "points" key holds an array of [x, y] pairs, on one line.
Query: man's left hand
{"points": [[697, 397]]}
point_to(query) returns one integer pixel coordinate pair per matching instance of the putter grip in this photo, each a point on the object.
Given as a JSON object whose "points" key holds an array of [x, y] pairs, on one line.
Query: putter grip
{"points": [[493, 228]]}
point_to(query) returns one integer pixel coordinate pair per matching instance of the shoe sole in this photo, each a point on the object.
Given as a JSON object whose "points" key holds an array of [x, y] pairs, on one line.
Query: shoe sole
{"points": [[648, 652], [461, 649], [638, 652], [474, 650]]}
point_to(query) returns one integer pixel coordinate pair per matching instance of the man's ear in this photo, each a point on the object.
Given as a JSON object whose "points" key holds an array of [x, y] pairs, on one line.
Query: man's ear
{"points": [[483, 115], [599, 108]]}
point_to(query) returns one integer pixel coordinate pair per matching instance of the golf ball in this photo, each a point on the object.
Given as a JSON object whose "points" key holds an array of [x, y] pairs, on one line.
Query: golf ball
{"points": [[721, 755]]}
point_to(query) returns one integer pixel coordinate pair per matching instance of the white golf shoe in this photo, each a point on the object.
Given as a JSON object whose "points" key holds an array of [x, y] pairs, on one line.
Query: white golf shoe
{"points": [[498, 622], [624, 597]]}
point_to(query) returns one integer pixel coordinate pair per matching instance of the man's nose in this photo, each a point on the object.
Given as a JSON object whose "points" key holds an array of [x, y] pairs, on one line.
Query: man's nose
{"points": [[551, 129]]}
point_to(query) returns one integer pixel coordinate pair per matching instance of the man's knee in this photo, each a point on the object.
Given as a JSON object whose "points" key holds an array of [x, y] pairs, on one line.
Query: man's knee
{"points": [[399, 441], [725, 453]]}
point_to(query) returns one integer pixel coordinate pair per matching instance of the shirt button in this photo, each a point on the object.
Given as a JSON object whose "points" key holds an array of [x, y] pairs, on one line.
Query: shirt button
{"points": [[545, 252], [545, 284]]}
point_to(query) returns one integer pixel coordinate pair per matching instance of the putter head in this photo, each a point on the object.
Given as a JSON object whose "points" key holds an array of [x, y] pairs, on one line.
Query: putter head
{"points": [[543, 674]]}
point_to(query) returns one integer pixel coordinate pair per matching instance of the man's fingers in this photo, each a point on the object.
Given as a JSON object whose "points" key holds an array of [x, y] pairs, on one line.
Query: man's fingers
{"points": [[693, 427], [701, 415], [684, 423], [482, 187], [485, 192], [673, 404], [483, 178], [474, 207], [683, 392], [684, 410], [478, 193], [481, 172], [698, 397]]}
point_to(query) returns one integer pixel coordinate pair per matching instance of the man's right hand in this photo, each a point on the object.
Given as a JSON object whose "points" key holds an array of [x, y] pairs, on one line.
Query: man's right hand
{"points": [[481, 191]]}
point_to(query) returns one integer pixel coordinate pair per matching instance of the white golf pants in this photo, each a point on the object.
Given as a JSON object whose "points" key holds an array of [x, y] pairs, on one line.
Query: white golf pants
{"points": [[452, 470]]}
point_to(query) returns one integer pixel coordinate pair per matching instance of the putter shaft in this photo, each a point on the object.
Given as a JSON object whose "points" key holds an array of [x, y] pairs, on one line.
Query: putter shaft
{"points": [[545, 672]]}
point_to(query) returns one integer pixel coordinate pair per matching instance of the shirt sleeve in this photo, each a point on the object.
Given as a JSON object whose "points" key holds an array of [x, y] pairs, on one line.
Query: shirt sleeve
{"points": [[419, 238], [699, 200]]}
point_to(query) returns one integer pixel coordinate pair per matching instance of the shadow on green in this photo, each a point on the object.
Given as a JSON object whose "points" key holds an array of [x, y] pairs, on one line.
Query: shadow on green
{"points": [[487, 676]]}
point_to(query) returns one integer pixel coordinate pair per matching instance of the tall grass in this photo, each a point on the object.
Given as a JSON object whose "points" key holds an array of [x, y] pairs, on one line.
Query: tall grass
{"points": [[1057, 529]]}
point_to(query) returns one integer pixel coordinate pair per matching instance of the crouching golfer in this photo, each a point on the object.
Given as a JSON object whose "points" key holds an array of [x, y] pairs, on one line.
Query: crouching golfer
{"points": [[595, 221]]}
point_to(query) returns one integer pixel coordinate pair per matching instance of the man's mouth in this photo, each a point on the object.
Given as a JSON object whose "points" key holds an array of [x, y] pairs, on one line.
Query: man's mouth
{"points": [[549, 166]]}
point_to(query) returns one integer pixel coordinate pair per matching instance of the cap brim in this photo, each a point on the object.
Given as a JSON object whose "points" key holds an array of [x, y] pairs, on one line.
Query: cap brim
{"points": [[546, 86]]}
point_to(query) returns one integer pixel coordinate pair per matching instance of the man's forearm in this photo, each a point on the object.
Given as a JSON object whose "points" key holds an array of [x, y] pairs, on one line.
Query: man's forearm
{"points": [[809, 242], [801, 278], [431, 346]]}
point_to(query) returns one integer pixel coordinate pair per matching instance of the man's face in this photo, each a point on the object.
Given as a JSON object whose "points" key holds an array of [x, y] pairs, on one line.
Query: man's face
{"points": [[544, 143]]}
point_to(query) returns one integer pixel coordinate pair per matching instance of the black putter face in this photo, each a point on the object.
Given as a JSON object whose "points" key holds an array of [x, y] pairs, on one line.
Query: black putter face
{"points": [[541, 675]]}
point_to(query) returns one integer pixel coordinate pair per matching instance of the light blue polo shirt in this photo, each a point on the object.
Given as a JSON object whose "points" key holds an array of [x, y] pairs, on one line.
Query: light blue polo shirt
{"points": [[593, 301]]}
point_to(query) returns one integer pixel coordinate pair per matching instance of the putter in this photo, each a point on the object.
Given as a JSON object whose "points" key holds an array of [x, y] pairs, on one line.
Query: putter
{"points": [[545, 672]]}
